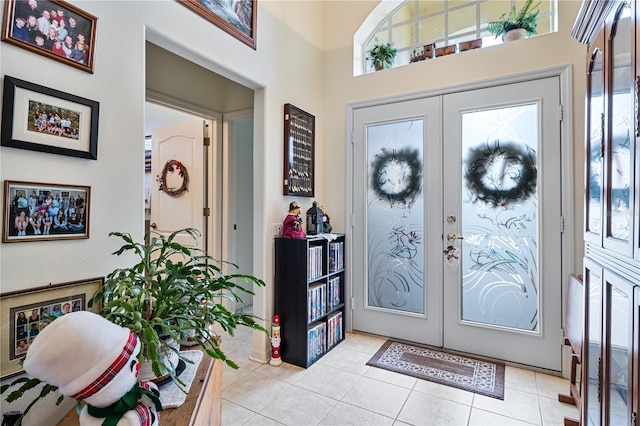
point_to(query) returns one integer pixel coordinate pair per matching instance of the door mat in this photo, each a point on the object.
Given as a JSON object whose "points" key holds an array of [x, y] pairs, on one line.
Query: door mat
{"points": [[473, 375]]}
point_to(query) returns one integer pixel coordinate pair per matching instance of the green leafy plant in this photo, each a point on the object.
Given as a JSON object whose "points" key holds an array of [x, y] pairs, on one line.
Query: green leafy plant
{"points": [[526, 18], [174, 291], [382, 55]]}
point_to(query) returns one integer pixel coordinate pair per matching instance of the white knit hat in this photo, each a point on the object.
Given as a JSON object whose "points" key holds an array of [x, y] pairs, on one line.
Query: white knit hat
{"points": [[80, 352]]}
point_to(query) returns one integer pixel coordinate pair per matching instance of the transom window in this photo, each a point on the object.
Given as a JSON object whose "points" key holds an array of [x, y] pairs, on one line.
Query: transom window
{"points": [[412, 24]]}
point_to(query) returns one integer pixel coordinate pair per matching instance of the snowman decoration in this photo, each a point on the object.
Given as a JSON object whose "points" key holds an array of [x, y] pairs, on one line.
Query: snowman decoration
{"points": [[94, 360]]}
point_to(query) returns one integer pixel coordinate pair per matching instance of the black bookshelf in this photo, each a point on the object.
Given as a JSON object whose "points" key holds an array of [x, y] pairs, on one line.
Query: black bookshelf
{"points": [[309, 296]]}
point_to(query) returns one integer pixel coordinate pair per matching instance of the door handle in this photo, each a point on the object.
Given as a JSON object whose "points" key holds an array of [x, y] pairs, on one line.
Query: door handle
{"points": [[153, 225], [452, 236]]}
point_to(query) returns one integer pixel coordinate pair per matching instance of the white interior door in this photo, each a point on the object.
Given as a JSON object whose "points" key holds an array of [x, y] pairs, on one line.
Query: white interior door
{"points": [[397, 233], [179, 156], [457, 221], [503, 295]]}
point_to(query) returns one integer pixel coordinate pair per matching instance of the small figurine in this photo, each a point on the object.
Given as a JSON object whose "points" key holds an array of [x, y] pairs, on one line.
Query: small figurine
{"points": [[94, 360], [275, 342], [326, 220], [292, 225]]}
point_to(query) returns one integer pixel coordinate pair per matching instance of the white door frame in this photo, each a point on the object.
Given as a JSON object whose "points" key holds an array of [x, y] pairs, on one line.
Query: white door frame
{"points": [[566, 138]]}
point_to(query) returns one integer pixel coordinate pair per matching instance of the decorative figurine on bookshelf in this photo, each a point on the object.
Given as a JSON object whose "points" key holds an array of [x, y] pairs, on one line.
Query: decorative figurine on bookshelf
{"points": [[292, 225], [314, 220], [326, 220], [275, 342]]}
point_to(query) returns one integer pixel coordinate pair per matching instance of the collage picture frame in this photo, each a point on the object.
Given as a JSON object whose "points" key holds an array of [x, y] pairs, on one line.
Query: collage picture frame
{"points": [[25, 313]]}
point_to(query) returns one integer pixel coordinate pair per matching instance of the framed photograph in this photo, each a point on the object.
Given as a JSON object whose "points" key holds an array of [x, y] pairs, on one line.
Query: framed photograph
{"points": [[25, 313], [52, 28], [39, 118], [238, 19], [45, 211]]}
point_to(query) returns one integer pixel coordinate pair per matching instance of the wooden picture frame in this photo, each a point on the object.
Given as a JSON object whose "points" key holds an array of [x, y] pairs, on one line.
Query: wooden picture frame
{"points": [[18, 29], [25, 313], [241, 22], [20, 223], [40, 118], [299, 148]]}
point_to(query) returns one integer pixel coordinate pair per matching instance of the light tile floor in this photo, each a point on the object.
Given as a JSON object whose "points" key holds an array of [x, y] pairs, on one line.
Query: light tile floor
{"points": [[340, 389]]}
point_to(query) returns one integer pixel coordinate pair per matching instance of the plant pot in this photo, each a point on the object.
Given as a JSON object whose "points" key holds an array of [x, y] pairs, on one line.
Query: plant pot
{"points": [[170, 356], [517, 34]]}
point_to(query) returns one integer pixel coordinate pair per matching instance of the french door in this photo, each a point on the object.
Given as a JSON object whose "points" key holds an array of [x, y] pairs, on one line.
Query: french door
{"points": [[457, 241]]}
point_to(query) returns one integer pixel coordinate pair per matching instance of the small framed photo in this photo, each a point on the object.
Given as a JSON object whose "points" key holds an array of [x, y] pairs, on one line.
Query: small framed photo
{"points": [[52, 28], [39, 118], [25, 313], [45, 211], [238, 20]]}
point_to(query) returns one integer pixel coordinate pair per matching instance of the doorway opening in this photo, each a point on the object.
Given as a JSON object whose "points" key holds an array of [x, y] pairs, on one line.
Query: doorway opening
{"points": [[228, 187]]}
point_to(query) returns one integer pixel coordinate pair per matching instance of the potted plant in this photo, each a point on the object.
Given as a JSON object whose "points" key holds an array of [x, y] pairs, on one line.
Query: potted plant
{"points": [[382, 55], [173, 292], [517, 24]]}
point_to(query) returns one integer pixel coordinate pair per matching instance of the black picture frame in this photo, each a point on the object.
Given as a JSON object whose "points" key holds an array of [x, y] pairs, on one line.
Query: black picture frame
{"points": [[19, 223], [83, 31], [240, 23], [75, 134]]}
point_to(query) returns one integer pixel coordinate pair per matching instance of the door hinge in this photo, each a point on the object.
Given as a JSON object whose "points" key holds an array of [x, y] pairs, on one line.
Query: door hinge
{"points": [[561, 113], [206, 212], [353, 302], [207, 141], [352, 138], [561, 223]]}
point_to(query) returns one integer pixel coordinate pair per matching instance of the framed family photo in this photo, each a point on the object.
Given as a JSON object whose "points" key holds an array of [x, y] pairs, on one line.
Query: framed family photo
{"points": [[40, 118], [45, 211], [25, 313], [51, 28], [237, 18]]}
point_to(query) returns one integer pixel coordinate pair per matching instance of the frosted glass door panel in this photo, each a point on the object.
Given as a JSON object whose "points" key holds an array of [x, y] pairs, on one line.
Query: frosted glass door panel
{"points": [[499, 217], [620, 167], [395, 218], [594, 165]]}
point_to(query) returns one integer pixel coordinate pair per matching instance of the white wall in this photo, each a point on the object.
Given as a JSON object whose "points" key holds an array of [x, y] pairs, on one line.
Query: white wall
{"points": [[286, 67]]}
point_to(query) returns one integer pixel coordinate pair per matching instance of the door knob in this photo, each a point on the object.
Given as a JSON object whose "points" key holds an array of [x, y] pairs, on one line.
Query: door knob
{"points": [[153, 225], [452, 236]]}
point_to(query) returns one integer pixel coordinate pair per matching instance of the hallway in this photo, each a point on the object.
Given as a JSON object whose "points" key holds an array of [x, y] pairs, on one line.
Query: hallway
{"points": [[340, 389]]}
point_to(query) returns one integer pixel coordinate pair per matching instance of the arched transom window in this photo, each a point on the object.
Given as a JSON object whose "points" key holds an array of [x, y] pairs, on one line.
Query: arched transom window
{"points": [[413, 24]]}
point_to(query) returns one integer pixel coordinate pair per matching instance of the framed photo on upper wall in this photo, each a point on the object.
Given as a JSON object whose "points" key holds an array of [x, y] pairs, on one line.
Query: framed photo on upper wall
{"points": [[40, 118], [25, 313], [45, 211], [238, 18], [52, 28]]}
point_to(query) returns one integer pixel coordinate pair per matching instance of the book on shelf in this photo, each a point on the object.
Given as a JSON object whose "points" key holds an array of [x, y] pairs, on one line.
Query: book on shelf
{"points": [[316, 302], [316, 341], [336, 256], [314, 262], [333, 293], [335, 332]]}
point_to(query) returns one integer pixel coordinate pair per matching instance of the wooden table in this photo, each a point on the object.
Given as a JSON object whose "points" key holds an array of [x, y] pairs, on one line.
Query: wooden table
{"points": [[203, 406]]}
